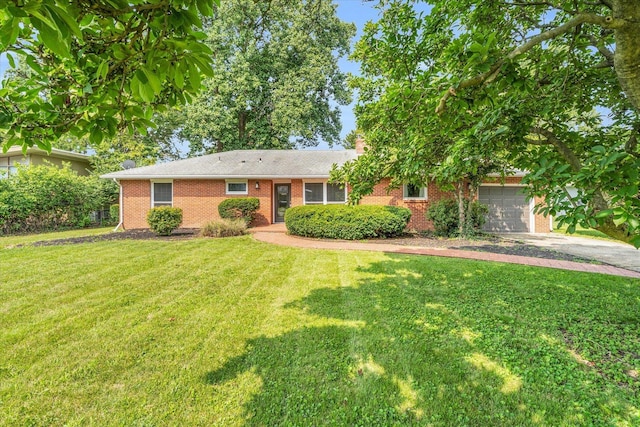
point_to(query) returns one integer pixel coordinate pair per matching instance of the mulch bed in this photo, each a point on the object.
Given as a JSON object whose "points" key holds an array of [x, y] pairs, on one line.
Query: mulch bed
{"points": [[488, 243], [180, 234]]}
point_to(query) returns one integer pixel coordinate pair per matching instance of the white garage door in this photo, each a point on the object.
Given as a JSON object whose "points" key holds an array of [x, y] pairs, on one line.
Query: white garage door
{"points": [[508, 209]]}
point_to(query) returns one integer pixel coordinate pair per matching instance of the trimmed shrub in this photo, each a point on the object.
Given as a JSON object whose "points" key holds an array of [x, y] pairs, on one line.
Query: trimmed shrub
{"points": [[164, 219], [445, 217], [224, 228], [346, 222], [114, 213], [239, 207]]}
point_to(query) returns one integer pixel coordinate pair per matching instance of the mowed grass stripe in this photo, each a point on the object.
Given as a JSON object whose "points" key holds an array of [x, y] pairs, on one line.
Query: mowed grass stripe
{"points": [[237, 332]]}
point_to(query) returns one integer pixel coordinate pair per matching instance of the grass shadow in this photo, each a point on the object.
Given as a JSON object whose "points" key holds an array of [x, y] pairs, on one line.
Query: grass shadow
{"points": [[412, 342]]}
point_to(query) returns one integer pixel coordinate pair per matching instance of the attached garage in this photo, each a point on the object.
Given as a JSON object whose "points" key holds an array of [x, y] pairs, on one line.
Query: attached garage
{"points": [[509, 209]]}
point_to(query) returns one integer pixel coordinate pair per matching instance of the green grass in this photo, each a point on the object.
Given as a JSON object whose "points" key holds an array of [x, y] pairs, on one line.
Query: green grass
{"points": [[583, 232], [237, 332], [25, 239]]}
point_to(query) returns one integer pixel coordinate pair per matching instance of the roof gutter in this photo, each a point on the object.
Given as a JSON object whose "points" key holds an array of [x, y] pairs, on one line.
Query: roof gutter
{"points": [[120, 206]]}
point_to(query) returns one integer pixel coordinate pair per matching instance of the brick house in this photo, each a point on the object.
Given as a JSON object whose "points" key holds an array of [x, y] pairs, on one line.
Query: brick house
{"points": [[284, 178]]}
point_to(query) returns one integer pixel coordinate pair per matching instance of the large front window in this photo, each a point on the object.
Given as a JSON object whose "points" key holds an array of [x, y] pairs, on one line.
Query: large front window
{"points": [[162, 194], [335, 194], [323, 193], [313, 193]]}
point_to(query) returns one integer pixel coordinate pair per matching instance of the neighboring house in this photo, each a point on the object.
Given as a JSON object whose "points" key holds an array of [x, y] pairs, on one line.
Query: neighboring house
{"points": [[284, 178], [35, 156]]}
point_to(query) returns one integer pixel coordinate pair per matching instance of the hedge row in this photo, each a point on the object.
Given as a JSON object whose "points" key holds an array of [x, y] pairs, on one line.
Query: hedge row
{"points": [[347, 222], [39, 198]]}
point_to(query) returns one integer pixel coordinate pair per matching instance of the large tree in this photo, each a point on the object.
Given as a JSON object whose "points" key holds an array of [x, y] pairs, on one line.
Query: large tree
{"points": [[276, 81], [552, 87], [97, 66]]}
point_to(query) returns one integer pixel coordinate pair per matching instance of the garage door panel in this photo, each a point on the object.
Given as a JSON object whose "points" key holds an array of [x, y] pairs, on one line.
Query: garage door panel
{"points": [[508, 209]]}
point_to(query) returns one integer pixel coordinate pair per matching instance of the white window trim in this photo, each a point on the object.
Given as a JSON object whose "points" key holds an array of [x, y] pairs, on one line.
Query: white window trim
{"points": [[160, 181], [236, 181], [405, 191], [324, 193]]}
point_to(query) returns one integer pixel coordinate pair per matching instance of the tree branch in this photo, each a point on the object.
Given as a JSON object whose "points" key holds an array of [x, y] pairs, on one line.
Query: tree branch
{"points": [[601, 48], [562, 148], [631, 146], [486, 77]]}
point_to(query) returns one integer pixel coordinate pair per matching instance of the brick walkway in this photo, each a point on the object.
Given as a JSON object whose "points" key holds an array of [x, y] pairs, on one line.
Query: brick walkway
{"points": [[276, 234]]}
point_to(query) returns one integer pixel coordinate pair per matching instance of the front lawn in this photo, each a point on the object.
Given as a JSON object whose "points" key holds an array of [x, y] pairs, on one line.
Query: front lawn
{"points": [[237, 332]]}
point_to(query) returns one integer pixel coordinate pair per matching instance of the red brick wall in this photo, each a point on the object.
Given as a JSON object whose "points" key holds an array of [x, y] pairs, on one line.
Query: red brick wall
{"points": [[198, 200], [296, 192], [542, 223], [137, 202], [418, 208]]}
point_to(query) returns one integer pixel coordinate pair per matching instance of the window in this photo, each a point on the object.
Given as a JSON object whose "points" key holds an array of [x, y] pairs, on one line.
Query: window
{"points": [[335, 194], [323, 193], [162, 194], [411, 191], [313, 193], [237, 187]]}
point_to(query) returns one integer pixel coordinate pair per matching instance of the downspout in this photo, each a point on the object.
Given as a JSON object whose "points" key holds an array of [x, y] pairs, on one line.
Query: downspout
{"points": [[120, 207]]}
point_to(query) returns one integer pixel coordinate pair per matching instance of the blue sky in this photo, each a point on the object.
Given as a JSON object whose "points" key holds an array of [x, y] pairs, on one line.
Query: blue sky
{"points": [[359, 13], [355, 11]]}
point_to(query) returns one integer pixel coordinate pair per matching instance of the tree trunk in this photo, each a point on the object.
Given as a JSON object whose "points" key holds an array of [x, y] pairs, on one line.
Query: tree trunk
{"points": [[473, 188], [614, 231], [618, 232], [627, 53], [461, 212]]}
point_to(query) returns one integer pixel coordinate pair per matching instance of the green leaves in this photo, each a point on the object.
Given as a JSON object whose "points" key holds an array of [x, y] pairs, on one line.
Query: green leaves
{"points": [[274, 81], [74, 69], [506, 99]]}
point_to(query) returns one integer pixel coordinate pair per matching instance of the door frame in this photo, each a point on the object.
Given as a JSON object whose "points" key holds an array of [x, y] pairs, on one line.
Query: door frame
{"points": [[275, 200]]}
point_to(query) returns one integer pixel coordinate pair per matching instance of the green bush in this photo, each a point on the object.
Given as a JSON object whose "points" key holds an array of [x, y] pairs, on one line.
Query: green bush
{"points": [[346, 222], [164, 219], [445, 217], [224, 228], [39, 198], [239, 207], [114, 213]]}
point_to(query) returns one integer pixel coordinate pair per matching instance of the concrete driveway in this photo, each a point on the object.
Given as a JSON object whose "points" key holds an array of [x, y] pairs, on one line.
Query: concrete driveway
{"points": [[613, 253]]}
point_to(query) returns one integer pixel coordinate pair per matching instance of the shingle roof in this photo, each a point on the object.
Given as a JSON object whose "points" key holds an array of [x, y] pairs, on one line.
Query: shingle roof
{"points": [[245, 164]]}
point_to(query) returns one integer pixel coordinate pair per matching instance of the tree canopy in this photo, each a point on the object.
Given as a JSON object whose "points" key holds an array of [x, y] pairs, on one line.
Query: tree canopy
{"points": [[276, 81], [456, 90], [98, 66]]}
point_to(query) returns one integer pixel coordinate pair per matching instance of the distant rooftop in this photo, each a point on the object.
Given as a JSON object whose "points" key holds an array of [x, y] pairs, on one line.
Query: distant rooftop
{"points": [[64, 154], [244, 164]]}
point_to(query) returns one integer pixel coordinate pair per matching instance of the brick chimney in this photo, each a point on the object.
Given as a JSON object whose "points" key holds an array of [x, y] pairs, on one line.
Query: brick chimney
{"points": [[360, 144]]}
